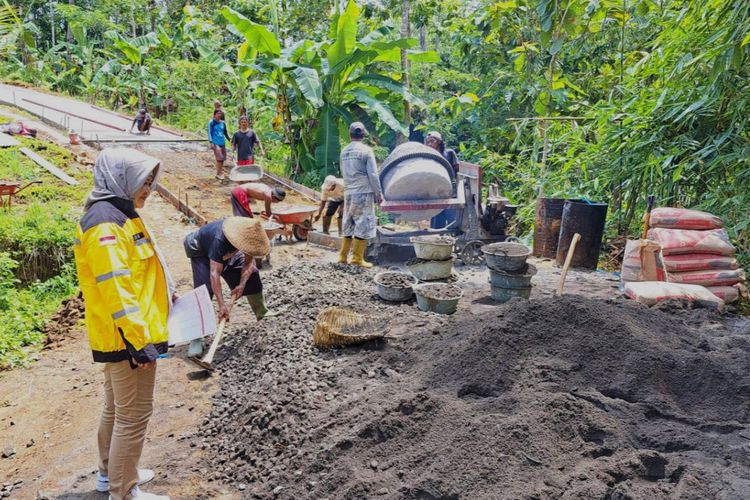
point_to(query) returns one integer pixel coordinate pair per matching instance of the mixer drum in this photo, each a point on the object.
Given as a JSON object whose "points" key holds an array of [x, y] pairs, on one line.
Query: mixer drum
{"points": [[413, 172]]}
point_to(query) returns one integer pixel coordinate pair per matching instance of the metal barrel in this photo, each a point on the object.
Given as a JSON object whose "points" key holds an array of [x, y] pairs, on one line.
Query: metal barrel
{"points": [[547, 221], [586, 219]]}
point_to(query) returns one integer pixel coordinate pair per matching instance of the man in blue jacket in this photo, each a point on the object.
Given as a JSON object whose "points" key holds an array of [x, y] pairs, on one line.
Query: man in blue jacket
{"points": [[217, 137]]}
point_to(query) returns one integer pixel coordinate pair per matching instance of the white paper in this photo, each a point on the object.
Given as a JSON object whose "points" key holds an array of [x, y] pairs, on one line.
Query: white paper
{"points": [[192, 317]]}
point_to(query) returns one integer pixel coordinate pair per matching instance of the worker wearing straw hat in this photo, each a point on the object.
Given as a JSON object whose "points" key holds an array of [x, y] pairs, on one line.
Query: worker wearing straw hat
{"points": [[225, 249]]}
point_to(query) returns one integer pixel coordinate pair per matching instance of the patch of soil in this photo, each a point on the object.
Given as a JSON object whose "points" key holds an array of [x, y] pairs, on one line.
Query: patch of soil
{"points": [[440, 291], [553, 398], [62, 325], [396, 280]]}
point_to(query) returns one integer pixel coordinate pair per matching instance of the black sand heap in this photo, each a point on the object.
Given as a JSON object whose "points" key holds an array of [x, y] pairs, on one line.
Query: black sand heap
{"points": [[556, 398]]}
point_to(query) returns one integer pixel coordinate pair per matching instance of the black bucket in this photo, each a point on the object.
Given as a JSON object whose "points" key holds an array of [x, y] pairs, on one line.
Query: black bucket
{"points": [[547, 222], [586, 219]]}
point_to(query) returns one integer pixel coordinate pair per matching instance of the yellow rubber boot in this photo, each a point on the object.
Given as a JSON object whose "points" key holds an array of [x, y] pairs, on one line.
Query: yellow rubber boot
{"points": [[358, 254], [346, 245]]}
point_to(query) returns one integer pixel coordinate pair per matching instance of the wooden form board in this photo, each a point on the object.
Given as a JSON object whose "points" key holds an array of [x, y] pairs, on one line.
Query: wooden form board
{"points": [[49, 167], [7, 141]]}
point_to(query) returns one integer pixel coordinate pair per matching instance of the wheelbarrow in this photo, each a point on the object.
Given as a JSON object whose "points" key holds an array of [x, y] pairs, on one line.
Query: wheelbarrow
{"points": [[9, 189], [299, 217], [246, 173]]}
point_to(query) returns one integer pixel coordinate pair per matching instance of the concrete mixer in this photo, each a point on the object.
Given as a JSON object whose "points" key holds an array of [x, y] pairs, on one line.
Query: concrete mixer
{"points": [[418, 183]]}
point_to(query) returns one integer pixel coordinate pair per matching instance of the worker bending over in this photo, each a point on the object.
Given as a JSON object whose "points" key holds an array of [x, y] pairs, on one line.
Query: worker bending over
{"points": [[242, 194], [448, 216], [362, 192], [142, 122], [225, 249], [331, 194]]}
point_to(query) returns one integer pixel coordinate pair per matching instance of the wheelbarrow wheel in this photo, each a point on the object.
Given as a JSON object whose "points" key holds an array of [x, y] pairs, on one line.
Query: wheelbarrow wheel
{"points": [[471, 254], [300, 231]]}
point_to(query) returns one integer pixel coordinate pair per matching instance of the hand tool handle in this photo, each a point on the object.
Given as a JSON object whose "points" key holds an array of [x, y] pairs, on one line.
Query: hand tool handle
{"points": [[209, 357], [568, 260], [647, 216]]}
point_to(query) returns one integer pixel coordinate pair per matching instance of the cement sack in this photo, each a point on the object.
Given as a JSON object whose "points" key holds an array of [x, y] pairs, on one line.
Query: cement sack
{"points": [[682, 241], [709, 278], [698, 262], [642, 262], [682, 218], [728, 294], [653, 292]]}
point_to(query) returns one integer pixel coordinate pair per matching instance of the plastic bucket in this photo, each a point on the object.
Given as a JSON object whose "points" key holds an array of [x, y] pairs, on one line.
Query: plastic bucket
{"points": [[428, 303], [505, 294], [503, 279], [430, 270], [506, 256], [586, 219], [433, 247], [394, 293]]}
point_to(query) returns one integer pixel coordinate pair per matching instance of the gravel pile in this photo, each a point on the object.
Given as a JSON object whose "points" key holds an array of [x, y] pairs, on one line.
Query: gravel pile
{"points": [[555, 398]]}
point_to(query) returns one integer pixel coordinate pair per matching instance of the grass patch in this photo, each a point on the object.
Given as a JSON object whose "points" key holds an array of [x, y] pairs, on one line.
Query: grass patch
{"points": [[36, 237]]}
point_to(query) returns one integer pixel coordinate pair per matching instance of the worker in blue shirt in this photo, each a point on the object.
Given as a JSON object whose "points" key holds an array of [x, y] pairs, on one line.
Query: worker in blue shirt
{"points": [[217, 137]]}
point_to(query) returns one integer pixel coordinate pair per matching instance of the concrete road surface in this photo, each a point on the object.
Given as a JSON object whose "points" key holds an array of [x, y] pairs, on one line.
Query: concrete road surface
{"points": [[89, 121]]}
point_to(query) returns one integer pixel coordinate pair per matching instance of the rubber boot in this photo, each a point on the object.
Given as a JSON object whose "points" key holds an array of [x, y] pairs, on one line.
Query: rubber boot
{"points": [[340, 222], [326, 224], [258, 305], [346, 245], [358, 254]]}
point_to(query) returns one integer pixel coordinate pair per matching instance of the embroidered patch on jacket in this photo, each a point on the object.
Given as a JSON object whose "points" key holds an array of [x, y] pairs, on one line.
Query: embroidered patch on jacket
{"points": [[107, 240]]}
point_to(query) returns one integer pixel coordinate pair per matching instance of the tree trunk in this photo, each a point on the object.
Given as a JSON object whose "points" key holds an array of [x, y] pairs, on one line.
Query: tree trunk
{"points": [[423, 37], [405, 33], [69, 34], [132, 19]]}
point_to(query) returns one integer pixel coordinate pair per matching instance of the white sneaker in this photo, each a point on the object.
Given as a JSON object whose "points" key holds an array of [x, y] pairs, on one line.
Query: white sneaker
{"points": [[137, 494], [102, 482]]}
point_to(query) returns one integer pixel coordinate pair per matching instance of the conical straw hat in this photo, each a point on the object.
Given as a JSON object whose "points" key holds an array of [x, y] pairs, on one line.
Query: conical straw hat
{"points": [[247, 235]]}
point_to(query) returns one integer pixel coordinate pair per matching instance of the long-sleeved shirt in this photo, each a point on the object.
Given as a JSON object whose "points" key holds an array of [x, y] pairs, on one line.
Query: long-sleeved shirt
{"points": [[359, 169], [217, 132]]}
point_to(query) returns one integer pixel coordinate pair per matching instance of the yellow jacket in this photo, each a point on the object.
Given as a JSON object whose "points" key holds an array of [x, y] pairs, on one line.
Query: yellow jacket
{"points": [[123, 282]]}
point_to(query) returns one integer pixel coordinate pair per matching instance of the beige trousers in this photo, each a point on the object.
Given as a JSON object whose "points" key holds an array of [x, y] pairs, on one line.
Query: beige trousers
{"points": [[128, 404]]}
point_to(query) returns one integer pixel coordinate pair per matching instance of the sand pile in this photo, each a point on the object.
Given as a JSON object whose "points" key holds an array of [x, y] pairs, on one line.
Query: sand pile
{"points": [[557, 398]]}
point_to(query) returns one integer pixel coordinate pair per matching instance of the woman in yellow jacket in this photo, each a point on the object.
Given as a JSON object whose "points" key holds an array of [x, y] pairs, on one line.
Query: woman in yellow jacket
{"points": [[127, 291]]}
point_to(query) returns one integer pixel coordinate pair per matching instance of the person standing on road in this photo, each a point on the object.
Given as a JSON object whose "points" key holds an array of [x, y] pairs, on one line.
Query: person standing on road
{"points": [[362, 192], [127, 293], [332, 194], [243, 143], [217, 137], [224, 249]]}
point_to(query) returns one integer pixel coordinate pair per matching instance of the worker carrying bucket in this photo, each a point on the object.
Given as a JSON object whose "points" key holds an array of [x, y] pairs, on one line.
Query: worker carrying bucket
{"points": [[362, 192], [225, 249]]}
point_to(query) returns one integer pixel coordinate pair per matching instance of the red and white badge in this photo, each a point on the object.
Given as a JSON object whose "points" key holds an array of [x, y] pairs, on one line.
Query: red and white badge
{"points": [[107, 240]]}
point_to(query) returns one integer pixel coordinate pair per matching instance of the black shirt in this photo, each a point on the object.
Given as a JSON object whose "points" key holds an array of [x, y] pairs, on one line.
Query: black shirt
{"points": [[209, 241], [245, 142], [452, 158]]}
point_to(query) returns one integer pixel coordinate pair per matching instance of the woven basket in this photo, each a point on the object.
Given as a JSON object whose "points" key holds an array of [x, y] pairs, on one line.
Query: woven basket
{"points": [[338, 327]]}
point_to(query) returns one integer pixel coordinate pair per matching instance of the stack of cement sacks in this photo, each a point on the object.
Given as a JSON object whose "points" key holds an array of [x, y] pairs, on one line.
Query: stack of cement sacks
{"points": [[696, 250]]}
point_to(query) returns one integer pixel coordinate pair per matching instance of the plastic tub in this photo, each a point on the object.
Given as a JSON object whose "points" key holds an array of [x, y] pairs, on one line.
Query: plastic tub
{"points": [[428, 300], [505, 294], [520, 279], [394, 293], [506, 256], [433, 247], [430, 270]]}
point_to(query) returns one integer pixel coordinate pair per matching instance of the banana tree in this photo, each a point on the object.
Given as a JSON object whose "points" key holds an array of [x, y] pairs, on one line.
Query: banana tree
{"points": [[133, 53], [321, 87]]}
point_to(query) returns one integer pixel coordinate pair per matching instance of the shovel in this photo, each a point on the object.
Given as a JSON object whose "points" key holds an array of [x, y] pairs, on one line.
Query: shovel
{"points": [[207, 362]]}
